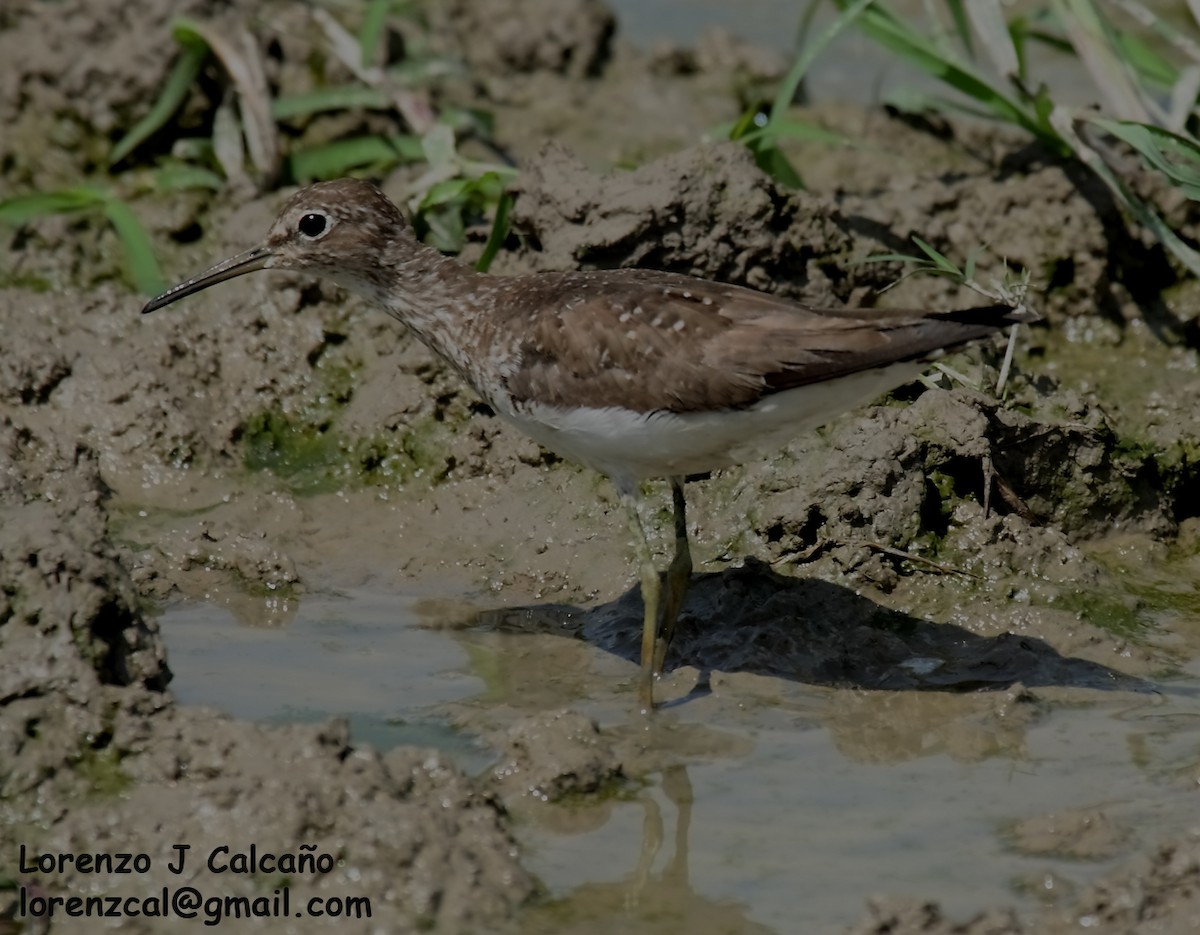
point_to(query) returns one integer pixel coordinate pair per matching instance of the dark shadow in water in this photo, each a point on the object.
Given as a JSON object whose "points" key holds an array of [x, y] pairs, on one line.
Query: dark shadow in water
{"points": [[752, 619]]}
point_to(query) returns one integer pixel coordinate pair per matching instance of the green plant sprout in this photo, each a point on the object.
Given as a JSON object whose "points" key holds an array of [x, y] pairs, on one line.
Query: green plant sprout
{"points": [[140, 261], [247, 148], [762, 131], [1128, 75], [1010, 290]]}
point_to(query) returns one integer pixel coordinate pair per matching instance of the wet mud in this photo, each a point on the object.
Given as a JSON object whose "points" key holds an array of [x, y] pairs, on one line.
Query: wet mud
{"points": [[940, 591]]}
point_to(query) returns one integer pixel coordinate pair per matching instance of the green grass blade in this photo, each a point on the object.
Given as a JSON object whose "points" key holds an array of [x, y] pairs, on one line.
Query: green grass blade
{"points": [[960, 16], [995, 36], [752, 120], [1093, 38], [1142, 212], [188, 31], [335, 159], [894, 33], [498, 234], [1150, 219], [1027, 30], [24, 208], [909, 100], [490, 185], [936, 257], [439, 146], [1183, 98], [171, 98], [485, 189], [795, 130], [445, 229], [773, 162], [1147, 57], [140, 260], [467, 120], [968, 271], [441, 193], [373, 24], [180, 177], [342, 97], [791, 81], [1176, 157], [1146, 60]]}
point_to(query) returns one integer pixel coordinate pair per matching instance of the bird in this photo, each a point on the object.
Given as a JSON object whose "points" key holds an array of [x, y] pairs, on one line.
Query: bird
{"points": [[639, 374]]}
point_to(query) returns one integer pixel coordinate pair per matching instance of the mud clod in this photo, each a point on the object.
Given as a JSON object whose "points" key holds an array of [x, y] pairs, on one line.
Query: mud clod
{"points": [[553, 756], [707, 211]]}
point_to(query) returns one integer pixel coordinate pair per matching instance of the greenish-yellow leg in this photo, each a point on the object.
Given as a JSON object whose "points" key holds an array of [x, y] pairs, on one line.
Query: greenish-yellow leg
{"points": [[650, 597], [678, 576]]}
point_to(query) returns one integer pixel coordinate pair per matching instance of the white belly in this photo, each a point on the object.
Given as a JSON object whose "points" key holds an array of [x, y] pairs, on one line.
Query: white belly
{"points": [[631, 446]]}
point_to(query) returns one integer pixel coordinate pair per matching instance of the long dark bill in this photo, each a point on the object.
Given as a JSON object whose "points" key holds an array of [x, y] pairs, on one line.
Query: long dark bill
{"points": [[246, 262]]}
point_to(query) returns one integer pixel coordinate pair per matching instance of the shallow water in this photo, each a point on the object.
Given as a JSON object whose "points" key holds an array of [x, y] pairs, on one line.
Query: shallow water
{"points": [[797, 833], [359, 656], [789, 805]]}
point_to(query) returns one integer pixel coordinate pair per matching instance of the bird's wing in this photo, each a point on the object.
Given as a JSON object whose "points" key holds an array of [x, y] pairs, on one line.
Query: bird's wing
{"points": [[649, 341]]}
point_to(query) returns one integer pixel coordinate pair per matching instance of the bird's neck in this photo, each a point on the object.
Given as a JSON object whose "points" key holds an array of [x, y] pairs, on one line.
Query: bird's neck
{"points": [[439, 298]]}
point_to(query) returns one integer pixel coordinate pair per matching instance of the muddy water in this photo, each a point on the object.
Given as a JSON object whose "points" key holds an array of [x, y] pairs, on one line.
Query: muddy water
{"points": [[786, 803], [360, 656]]}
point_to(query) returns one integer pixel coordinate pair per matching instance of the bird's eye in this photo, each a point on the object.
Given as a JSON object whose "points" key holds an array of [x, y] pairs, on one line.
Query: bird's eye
{"points": [[313, 225]]}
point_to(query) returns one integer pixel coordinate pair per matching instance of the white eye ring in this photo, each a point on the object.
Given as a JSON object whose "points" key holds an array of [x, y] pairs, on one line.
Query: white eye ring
{"points": [[313, 225]]}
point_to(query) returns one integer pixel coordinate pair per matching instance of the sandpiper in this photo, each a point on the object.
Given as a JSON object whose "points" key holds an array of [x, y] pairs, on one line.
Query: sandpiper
{"points": [[636, 373]]}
